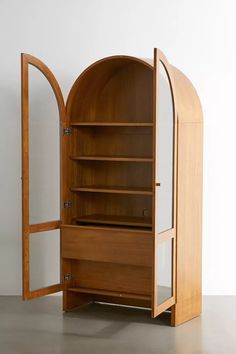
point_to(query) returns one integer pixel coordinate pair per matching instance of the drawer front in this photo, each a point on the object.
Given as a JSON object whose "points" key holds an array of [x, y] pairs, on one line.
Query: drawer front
{"points": [[114, 246]]}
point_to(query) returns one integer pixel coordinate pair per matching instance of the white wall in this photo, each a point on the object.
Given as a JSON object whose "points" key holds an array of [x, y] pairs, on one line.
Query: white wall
{"points": [[196, 36]]}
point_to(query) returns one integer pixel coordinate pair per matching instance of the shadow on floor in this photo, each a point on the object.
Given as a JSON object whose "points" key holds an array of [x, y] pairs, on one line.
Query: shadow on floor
{"points": [[112, 319]]}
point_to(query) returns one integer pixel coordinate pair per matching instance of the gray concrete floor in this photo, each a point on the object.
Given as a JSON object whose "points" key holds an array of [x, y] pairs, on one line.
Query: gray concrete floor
{"points": [[40, 326]]}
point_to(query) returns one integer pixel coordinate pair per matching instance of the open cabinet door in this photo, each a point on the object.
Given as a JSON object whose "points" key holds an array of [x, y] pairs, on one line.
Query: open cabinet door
{"points": [[164, 186], [41, 163]]}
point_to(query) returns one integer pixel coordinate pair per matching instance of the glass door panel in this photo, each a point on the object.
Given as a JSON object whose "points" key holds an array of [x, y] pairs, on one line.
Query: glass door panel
{"points": [[44, 150], [164, 153], [44, 259], [164, 270]]}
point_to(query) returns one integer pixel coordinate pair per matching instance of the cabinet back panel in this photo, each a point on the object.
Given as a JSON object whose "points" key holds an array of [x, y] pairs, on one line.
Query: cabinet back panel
{"points": [[116, 90], [111, 276], [135, 174], [112, 204], [112, 141]]}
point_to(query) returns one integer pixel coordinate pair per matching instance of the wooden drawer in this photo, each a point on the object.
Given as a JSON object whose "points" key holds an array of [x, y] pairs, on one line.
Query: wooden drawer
{"points": [[107, 245]]}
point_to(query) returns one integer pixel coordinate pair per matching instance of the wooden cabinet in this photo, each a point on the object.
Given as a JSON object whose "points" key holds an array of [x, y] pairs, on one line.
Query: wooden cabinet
{"points": [[128, 227]]}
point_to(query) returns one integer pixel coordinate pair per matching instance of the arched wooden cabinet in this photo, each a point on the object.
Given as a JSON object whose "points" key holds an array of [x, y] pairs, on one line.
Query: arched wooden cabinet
{"points": [[122, 193]]}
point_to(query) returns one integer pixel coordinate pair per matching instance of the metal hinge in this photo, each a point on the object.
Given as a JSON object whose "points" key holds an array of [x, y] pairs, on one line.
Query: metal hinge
{"points": [[68, 204], [67, 277], [67, 131]]}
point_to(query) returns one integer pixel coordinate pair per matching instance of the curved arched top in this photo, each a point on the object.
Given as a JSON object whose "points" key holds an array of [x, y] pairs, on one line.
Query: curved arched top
{"points": [[185, 99], [103, 69], [113, 82], [144, 61], [188, 104], [27, 59]]}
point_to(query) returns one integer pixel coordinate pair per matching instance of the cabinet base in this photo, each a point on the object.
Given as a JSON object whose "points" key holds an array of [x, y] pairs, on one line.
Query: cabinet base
{"points": [[185, 311], [73, 300]]}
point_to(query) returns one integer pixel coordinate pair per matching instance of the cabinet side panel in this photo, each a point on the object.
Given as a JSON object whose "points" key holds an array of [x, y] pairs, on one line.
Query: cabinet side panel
{"points": [[189, 223]]}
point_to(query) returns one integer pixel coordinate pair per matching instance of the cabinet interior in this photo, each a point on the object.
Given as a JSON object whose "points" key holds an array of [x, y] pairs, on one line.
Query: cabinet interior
{"points": [[111, 152]]}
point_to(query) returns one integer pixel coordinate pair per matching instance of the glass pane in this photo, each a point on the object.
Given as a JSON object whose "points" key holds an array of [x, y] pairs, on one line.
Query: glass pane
{"points": [[44, 167], [44, 259], [165, 145], [164, 270]]}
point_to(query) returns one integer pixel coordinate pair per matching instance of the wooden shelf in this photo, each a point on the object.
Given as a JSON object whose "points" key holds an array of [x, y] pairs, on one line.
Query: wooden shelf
{"points": [[110, 293], [116, 220], [113, 189], [112, 124], [114, 158]]}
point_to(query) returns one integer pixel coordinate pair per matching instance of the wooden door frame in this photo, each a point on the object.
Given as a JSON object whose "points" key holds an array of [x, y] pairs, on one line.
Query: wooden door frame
{"points": [[28, 228], [169, 234]]}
